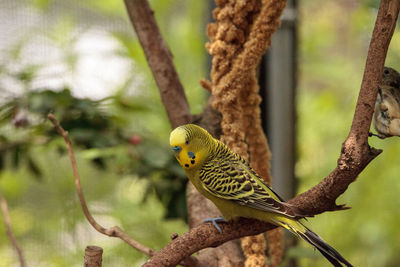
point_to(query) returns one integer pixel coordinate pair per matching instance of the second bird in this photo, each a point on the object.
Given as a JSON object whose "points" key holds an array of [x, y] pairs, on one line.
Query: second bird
{"points": [[386, 119]]}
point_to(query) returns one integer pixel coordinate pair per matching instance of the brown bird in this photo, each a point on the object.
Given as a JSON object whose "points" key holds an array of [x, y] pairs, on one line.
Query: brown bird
{"points": [[390, 77], [386, 119]]}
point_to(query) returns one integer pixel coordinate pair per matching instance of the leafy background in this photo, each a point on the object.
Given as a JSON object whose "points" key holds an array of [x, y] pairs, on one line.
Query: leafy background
{"points": [[82, 61]]}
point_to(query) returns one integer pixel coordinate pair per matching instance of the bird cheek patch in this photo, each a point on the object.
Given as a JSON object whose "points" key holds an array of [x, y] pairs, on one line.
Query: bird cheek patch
{"points": [[189, 163], [192, 156]]}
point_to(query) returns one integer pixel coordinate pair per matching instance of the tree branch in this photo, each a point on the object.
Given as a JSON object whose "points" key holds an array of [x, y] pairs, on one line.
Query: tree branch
{"points": [[355, 156], [356, 153], [203, 236], [7, 223], [160, 61], [113, 231]]}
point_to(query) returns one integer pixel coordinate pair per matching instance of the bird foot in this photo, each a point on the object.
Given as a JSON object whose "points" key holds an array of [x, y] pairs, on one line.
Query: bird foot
{"points": [[215, 222], [379, 136]]}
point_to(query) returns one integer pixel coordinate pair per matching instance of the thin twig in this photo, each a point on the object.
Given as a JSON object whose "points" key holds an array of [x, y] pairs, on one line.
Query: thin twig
{"points": [[7, 222], [113, 231]]}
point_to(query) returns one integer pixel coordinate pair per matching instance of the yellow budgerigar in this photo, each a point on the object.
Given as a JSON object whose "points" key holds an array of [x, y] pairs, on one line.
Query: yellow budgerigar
{"points": [[235, 188]]}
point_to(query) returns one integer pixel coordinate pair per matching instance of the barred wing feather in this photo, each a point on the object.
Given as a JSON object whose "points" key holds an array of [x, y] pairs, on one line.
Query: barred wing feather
{"points": [[236, 181]]}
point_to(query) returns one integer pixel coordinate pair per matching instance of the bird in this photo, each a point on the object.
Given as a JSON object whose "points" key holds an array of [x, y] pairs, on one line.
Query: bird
{"points": [[390, 77], [386, 117], [228, 180]]}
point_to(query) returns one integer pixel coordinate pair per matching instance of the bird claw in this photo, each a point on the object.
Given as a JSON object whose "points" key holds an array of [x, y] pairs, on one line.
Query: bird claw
{"points": [[215, 221], [377, 135]]}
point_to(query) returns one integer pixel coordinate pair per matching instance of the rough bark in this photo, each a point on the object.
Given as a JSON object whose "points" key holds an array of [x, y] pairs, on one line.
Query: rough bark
{"points": [[93, 256], [239, 38]]}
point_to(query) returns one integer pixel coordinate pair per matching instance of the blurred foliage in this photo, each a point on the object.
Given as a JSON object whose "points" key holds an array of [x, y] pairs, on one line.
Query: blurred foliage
{"points": [[102, 135]]}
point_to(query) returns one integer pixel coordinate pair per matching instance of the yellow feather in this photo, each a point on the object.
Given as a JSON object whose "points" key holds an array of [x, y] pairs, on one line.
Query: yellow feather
{"points": [[177, 137]]}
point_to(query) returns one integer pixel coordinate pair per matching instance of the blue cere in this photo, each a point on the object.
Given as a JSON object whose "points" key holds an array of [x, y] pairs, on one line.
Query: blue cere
{"points": [[176, 148]]}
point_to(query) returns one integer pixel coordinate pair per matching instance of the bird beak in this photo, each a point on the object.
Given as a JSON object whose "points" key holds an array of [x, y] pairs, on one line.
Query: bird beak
{"points": [[380, 93]]}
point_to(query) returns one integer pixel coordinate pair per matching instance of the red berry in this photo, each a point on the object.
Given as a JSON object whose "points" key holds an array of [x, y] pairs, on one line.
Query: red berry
{"points": [[135, 139]]}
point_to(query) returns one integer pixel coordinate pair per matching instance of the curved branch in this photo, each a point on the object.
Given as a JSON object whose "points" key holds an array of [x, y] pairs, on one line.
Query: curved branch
{"points": [[355, 156], [113, 231], [7, 223], [160, 61]]}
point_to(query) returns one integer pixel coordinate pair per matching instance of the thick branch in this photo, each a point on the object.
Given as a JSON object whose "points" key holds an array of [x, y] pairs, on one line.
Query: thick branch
{"points": [[355, 156], [7, 223], [113, 231], [203, 236], [160, 61]]}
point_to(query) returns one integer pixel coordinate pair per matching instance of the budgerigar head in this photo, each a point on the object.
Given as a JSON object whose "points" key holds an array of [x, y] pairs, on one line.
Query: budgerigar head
{"points": [[191, 145]]}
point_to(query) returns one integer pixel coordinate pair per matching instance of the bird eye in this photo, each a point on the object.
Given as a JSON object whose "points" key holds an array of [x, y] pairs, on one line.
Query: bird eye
{"points": [[176, 148], [386, 71], [187, 142]]}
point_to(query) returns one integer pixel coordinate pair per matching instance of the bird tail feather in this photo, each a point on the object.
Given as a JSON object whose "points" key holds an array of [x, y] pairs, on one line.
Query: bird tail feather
{"points": [[309, 236]]}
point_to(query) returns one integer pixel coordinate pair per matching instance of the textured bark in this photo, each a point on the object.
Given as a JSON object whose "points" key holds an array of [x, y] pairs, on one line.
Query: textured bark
{"points": [[93, 256], [209, 119], [355, 156], [238, 39], [203, 236], [159, 58]]}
